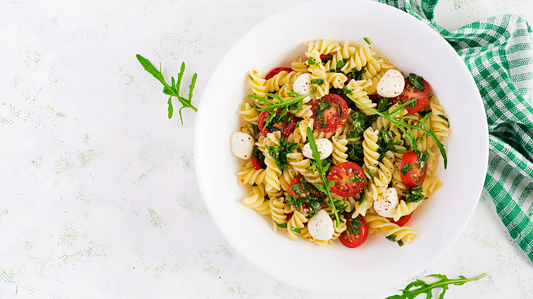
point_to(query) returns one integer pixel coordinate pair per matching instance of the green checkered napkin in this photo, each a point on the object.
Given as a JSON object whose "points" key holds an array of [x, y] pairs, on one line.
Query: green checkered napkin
{"points": [[499, 54]]}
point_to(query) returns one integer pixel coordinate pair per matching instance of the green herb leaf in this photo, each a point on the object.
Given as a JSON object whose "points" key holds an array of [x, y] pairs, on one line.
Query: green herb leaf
{"points": [[367, 40], [296, 230], [419, 287], [384, 104], [318, 81], [258, 154], [445, 118], [415, 81], [174, 88], [282, 225], [312, 61], [279, 152], [415, 195], [357, 74]]}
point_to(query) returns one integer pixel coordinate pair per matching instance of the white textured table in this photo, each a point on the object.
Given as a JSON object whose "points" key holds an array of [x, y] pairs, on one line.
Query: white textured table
{"points": [[98, 197]]}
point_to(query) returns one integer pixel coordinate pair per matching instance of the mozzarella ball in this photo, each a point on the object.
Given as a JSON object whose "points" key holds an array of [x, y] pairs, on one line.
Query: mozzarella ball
{"points": [[386, 205], [242, 145], [302, 85], [320, 226], [323, 145], [391, 84]]}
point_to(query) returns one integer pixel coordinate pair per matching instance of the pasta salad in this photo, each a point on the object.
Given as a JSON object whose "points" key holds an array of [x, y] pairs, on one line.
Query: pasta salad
{"points": [[340, 145]]}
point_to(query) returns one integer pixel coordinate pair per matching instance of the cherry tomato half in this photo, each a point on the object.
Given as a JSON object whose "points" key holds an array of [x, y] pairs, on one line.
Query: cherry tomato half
{"points": [[403, 220], [410, 92], [276, 71], [349, 179], [257, 165], [412, 175], [356, 232], [285, 126], [329, 112]]}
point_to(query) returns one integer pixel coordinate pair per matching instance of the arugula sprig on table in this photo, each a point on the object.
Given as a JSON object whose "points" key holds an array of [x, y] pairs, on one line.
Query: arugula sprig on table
{"points": [[324, 188], [274, 101], [174, 88], [397, 119], [419, 287]]}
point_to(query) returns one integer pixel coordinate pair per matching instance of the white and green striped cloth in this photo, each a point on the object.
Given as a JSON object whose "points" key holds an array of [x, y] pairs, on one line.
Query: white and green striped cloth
{"points": [[499, 54]]}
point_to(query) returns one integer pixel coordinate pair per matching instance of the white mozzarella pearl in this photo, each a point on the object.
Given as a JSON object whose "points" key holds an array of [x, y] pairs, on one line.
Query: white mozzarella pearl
{"points": [[320, 226], [391, 84], [323, 145], [302, 85], [386, 206], [242, 145]]}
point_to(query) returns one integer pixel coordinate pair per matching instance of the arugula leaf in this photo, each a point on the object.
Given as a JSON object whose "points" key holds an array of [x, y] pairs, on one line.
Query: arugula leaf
{"points": [[320, 168], [274, 101], [279, 152], [397, 120], [419, 287], [174, 88]]}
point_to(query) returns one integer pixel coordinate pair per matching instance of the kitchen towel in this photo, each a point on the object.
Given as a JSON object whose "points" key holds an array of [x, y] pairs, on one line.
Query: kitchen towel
{"points": [[499, 55]]}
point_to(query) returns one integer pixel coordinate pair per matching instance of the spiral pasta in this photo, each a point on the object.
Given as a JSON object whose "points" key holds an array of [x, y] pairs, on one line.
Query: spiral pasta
{"points": [[248, 113], [256, 83], [370, 149], [287, 184], [322, 46], [295, 224], [439, 122], [339, 150], [277, 212], [249, 175], [386, 228], [256, 200]]}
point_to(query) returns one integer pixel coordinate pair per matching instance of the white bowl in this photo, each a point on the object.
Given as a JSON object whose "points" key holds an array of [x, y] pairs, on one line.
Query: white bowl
{"points": [[412, 47]]}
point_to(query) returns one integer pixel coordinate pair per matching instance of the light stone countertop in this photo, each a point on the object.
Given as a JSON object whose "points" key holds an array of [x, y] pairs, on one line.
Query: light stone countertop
{"points": [[98, 195]]}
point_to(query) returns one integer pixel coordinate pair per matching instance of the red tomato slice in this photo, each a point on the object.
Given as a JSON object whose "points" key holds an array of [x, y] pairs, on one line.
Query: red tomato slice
{"points": [[257, 165], [346, 176], [410, 92], [354, 240], [276, 71], [412, 175], [329, 112], [403, 220], [285, 127]]}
